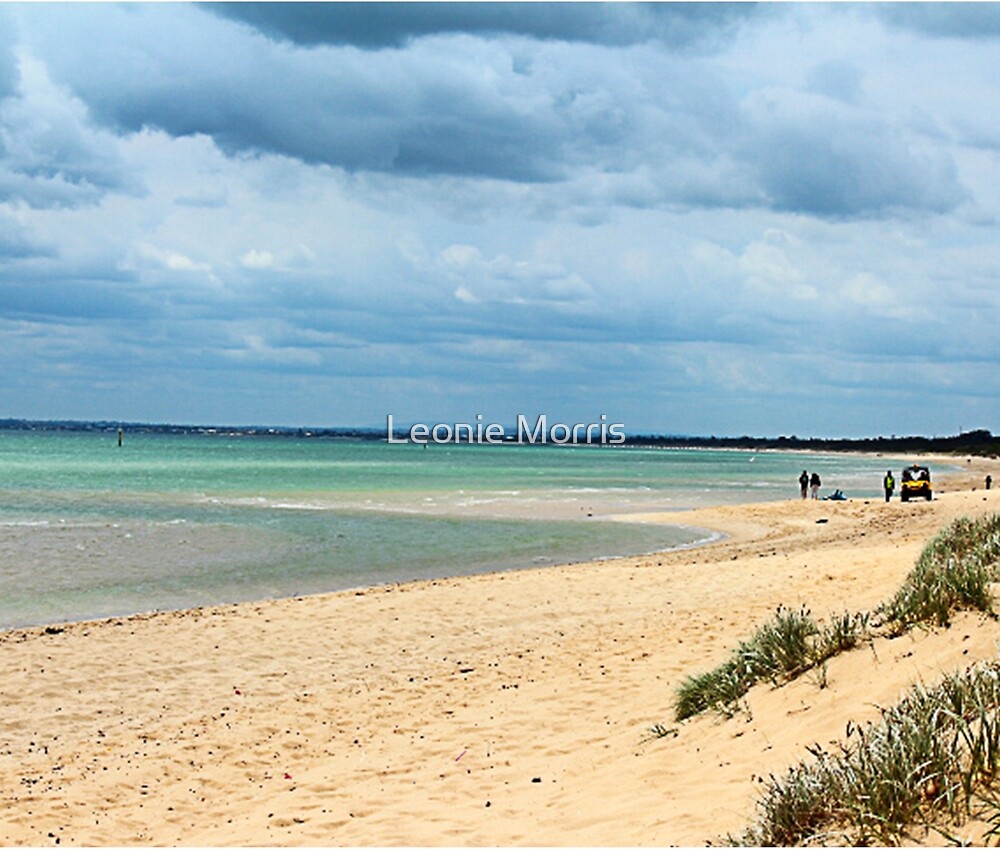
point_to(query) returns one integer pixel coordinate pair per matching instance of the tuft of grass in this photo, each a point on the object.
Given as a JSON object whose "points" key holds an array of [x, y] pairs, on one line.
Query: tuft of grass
{"points": [[721, 689], [784, 647], [953, 572], [842, 633], [927, 758], [781, 646]]}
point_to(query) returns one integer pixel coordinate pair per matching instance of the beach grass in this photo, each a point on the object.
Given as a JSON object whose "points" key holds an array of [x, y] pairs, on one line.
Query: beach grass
{"points": [[953, 572], [930, 758], [781, 649]]}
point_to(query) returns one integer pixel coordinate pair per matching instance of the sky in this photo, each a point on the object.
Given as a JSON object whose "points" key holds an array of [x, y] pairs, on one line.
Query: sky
{"points": [[701, 219]]}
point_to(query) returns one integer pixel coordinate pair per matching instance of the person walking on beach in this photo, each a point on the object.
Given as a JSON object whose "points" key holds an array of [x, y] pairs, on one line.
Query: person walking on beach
{"points": [[889, 484], [804, 482], [814, 484], [989, 481]]}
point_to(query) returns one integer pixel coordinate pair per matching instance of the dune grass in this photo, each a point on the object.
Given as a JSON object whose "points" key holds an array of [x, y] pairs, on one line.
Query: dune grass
{"points": [[954, 571], [784, 647], [930, 758]]}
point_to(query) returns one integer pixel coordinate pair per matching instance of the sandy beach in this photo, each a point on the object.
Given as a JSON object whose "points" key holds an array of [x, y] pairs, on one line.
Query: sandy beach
{"points": [[510, 708]]}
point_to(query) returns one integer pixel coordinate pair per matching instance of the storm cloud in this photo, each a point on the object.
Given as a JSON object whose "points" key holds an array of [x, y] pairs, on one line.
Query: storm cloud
{"points": [[693, 217], [380, 25], [946, 20]]}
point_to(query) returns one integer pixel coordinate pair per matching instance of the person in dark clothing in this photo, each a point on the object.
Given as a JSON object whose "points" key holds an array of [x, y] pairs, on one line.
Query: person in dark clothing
{"points": [[989, 481], [814, 484], [889, 484], [804, 483]]}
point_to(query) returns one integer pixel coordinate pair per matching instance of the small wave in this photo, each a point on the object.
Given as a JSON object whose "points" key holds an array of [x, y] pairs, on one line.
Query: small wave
{"points": [[714, 536], [247, 501], [25, 523], [599, 490]]}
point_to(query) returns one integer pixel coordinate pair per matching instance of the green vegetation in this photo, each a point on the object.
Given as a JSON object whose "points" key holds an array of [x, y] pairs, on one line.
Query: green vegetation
{"points": [[953, 572], [930, 756], [781, 649], [980, 442], [935, 754]]}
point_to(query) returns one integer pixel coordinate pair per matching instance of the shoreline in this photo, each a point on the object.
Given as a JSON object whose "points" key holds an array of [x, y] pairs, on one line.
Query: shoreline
{"points": [[689, 518], [49, 553], [506, 708]]}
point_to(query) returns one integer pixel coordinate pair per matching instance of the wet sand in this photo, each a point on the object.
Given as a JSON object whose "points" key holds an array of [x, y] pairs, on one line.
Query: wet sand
{"points": [[510, 708]]}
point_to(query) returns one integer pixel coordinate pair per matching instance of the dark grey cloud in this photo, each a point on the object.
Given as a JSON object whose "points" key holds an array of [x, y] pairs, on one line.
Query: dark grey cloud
{"points": [[41, 190], [945, 20], [458, 109], [816, 158], [401, 113], [71, 300], [641, 126], [379, 25], [50, 153], [450, 131]]}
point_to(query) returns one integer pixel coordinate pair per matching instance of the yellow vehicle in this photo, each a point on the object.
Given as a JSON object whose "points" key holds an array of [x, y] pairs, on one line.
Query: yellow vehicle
{"points": [[916, 483]]}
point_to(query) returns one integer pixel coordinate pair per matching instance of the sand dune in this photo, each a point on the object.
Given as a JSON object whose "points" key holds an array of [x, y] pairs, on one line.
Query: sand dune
{"points": [[510, 708]]}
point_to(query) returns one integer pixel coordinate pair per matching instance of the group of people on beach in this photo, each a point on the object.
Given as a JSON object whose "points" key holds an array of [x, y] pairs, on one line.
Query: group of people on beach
{"points": [[809, 484]]}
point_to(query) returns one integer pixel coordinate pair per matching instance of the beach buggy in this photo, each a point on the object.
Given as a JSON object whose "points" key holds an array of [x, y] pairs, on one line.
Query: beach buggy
{"points": [[916, 483]]}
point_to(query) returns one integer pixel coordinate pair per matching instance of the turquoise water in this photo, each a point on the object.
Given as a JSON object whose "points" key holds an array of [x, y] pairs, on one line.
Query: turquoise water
{"points": [[88, 529]]}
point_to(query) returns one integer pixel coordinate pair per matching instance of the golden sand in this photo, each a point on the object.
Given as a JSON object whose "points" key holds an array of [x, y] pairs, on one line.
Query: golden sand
{"points": [[509, 708]]}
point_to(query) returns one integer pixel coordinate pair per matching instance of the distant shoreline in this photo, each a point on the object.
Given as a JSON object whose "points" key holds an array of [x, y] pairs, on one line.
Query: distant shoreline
{"points": [[978, 442]]}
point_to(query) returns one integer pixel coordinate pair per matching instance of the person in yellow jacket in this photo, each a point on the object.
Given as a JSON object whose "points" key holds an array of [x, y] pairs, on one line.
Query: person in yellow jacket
{"points": [[889, 485]]}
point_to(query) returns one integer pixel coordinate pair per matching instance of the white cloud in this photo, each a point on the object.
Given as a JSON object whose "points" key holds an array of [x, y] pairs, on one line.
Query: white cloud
{"points": [[170, 259], [770, 270], [502, 279], [868, 290], [257, 259], [254, 348], [465, 296]]}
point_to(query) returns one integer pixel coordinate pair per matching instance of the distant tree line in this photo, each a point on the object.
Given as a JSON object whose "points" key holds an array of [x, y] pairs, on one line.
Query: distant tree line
{"points": [[207, 430], [980, 442]]}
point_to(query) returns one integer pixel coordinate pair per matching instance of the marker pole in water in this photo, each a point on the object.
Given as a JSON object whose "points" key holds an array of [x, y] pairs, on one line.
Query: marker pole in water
{"points": [[120, 434]]}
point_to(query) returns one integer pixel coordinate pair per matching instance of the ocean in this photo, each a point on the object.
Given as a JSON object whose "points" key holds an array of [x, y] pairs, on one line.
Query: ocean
{"points": [[89, 529]]}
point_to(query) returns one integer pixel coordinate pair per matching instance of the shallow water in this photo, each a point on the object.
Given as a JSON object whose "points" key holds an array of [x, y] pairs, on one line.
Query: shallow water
{"points": [[88, 529]]}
